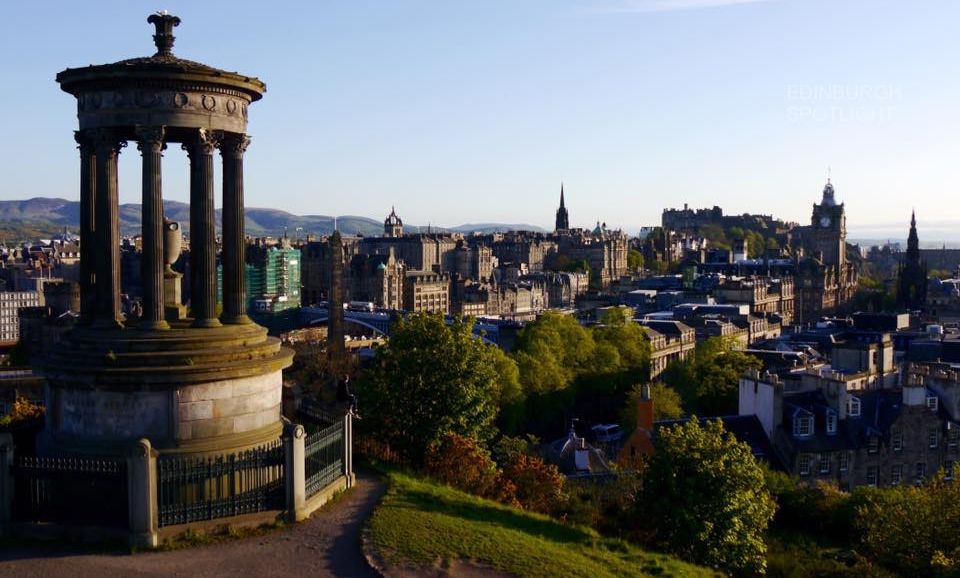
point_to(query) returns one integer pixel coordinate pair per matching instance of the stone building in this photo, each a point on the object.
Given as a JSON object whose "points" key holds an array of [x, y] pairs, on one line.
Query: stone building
{"points": [[826, 278], [841, 427], [11, 304], [377, 279], [764, 295], [426, 292], [669, 341]]}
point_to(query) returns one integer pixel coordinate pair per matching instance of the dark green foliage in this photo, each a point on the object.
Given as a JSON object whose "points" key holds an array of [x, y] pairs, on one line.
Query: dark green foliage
{"points": [[431, 379], [565, 365], [705, 495], [708, 380]]}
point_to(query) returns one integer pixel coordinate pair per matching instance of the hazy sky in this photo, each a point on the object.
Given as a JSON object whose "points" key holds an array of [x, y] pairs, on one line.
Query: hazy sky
{"points": [[472, 111]]}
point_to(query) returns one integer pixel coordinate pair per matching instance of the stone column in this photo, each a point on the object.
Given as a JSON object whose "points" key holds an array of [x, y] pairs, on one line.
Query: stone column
{"points": [[88, 242], [150, 143], [294, 440], [203, 242], [232, 148], [142, 494], [107, 250]]}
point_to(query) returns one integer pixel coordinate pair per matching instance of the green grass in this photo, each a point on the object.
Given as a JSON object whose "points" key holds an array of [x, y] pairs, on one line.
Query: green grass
{"points": [[420, 523]]}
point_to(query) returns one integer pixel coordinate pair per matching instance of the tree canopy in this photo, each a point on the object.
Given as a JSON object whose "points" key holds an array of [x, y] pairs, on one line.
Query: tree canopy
{"points": [[709, 379], [433, 379], [705, 494]]}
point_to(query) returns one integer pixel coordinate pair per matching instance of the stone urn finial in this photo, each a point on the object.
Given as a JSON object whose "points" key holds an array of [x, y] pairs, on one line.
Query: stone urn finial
{"points": [[172, 243], [164, 37]]}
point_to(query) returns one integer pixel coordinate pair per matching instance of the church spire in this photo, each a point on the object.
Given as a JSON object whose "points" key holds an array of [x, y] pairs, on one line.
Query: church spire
{"points": [[563, 219]]}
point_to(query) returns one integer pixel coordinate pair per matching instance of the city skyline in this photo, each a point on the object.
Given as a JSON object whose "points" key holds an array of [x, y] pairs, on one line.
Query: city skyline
{"points": [[617, 99]]}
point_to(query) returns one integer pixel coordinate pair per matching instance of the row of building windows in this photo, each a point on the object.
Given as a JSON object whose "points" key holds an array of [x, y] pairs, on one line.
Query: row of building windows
{"points": [[824, 465]]}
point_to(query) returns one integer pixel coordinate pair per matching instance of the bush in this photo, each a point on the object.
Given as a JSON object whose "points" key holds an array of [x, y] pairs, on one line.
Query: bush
{"points": [[539, 485], [462, 463]]}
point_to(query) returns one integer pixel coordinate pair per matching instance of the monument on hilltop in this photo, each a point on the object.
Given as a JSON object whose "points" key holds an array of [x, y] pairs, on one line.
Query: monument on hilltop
{"points": [[198, 384]]}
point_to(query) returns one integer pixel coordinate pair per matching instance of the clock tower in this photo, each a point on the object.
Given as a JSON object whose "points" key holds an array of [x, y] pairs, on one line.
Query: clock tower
{"points": [[829, 227]]}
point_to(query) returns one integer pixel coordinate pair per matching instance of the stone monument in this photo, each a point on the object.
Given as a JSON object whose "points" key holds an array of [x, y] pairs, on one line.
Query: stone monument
{"points": [[197, 384]]}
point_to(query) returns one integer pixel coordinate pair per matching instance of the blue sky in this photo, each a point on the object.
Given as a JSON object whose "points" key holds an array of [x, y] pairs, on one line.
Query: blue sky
{"points": [[472, 111]]}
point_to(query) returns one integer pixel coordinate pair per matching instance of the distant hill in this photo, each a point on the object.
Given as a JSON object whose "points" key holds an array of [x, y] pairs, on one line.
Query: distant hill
{"points": [[40, 217]]}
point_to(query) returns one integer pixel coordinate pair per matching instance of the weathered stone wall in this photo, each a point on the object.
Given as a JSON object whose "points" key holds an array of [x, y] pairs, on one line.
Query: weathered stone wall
{"points": [[228, 407]]}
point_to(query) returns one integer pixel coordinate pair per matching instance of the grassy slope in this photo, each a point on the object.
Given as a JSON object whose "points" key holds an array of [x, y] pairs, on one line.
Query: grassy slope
{"points": [[420, 523]]}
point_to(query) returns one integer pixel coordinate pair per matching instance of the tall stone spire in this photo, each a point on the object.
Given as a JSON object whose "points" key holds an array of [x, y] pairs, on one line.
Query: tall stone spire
{"points": [[563, 220], [912, 273]]}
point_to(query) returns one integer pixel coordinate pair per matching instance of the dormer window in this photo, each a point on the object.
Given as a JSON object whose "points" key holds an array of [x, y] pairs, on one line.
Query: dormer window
{"points": [[802, 426], [933, 402], [831, 422], [853, 406]]}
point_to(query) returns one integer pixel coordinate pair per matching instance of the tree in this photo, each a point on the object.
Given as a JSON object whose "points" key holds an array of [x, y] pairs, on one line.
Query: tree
{"points": [[913, 529], [627, 337], [705, 494], [551, 351], [431, 379], [709, 379], [634, 260]]}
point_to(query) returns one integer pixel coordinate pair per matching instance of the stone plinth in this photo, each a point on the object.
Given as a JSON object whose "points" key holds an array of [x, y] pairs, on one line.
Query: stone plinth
{"points": [[186, 390]]}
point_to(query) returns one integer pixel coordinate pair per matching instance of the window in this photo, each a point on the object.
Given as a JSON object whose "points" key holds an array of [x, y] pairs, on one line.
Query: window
{"points": [[933, 437], [933, 402], [853, 406], [921, 471], [831, 422], [896, 439], [844, 461], [896, 474], [804, 464], [948, 470], [872, 476], [953, 435], [802, 426], [873, 445], [824, 460]]}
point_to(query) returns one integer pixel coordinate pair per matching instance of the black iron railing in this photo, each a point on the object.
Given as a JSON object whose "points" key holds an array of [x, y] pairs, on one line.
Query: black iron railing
{"points": [[323, 458], [71, 490], [195, 489]]}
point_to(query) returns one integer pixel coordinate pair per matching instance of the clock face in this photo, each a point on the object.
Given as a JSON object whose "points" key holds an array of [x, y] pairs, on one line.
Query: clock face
{"points": [[825, 222]]}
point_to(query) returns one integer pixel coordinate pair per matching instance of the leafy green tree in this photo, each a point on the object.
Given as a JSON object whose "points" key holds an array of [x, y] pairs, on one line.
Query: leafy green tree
{"points": [[913, 529], [627, 337], [551, 351], [705, 494], [709, 379], [431, 379], [634, 260]]}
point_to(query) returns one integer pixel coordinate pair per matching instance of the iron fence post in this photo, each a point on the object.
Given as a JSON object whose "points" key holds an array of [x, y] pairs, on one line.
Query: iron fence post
{"points": [[142, 494], [6, 480], [295, 471]]}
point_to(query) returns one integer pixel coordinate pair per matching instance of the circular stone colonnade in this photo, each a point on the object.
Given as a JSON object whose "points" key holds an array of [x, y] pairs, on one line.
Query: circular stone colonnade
{"points": [[199, 385]]}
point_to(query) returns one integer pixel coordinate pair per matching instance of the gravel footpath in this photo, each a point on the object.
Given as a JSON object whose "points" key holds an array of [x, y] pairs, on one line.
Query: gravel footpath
{"points": [[327, 545]]}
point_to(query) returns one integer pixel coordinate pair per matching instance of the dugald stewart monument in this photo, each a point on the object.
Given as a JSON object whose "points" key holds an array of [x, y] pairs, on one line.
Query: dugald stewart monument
{"points": [[194, 383]]}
